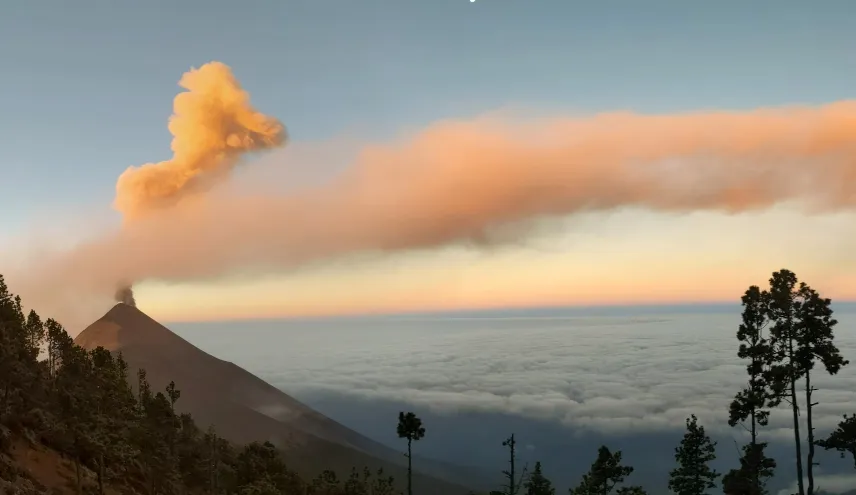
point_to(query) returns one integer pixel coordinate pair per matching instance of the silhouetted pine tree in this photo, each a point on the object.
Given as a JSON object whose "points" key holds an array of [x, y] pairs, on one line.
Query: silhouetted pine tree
{"points": [[57, 340], [16, 362], [538, 484], [815, 345], [172, 393], [76, 397], [751, 478], [215, 457], [801, 336], [115, 413], [33, 388], [785, 371], [751, 405], [843, 439], [693, 476], [410, 427], [605, 474]]}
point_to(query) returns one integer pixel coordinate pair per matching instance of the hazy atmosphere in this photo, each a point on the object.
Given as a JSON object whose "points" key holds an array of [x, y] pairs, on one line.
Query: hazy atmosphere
{"points": [[502, 216]]}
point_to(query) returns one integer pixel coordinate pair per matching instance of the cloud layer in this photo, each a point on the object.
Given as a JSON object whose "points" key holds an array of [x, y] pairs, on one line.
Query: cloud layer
{"points": [[610, 375], [628, 379]]}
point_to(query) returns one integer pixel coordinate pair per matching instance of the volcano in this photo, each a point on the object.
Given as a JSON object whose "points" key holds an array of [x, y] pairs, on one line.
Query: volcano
{"points": [[244, 408]]}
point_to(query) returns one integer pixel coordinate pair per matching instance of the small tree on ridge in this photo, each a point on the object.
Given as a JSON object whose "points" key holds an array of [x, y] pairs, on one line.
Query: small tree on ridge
{"points": [[693, 476], [410, 427], [538, 484]]}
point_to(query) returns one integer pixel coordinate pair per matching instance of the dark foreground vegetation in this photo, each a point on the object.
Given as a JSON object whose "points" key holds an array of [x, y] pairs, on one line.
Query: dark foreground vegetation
{"points": [[122, 437]]}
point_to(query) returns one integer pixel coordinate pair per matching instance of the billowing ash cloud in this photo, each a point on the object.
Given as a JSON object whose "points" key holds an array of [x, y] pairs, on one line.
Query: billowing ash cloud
{"points": [[454, 181], [212, 125]]}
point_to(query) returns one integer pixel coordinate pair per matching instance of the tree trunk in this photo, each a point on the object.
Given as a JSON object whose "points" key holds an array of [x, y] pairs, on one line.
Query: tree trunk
{"points": [[215, 482], [795, 408], [211, 473], [753, 430], [50, 359], [101, 474], [809, 434], [78, 484], [212, 467], [754, 446], [409, 469], [151, 481], [512, 478], [5, 408]]}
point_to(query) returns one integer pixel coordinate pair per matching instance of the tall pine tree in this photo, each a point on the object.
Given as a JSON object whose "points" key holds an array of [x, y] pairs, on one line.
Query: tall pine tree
{"points": [[693, 476], [751, 406], [814, 346], [801, 336]]}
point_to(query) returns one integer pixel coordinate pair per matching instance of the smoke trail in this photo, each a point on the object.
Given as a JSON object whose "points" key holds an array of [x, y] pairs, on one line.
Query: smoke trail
{"points": [[125, 294], [454, 181]]}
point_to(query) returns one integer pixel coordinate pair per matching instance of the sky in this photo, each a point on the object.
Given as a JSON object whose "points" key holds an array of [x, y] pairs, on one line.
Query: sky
{"points": [[87, 90]]}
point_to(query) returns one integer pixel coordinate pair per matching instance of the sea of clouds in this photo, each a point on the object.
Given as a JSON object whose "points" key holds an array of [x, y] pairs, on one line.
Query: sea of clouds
{"points": [[611, 377]]}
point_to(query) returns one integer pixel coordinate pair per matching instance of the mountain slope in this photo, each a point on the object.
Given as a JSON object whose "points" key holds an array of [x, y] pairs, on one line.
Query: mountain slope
{"points": [[241, 406]]}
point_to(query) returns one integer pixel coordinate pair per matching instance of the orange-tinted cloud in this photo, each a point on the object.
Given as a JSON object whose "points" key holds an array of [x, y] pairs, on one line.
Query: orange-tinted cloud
{"points": [[454, 181], [213, 124]]}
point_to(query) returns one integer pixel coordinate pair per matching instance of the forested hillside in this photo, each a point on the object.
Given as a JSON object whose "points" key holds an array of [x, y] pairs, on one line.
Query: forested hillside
{"points": [[68, 412]]}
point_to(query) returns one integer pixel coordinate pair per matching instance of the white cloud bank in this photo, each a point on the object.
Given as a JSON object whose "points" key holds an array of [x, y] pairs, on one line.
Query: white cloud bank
{"points": [[611, 375]]}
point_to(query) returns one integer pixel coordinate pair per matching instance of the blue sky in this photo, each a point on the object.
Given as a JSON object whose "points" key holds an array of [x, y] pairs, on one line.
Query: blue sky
{"points": [[87, 87]]}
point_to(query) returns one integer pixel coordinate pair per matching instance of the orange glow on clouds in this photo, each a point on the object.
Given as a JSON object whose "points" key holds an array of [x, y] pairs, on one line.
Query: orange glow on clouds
{"points": [[626, 258]]}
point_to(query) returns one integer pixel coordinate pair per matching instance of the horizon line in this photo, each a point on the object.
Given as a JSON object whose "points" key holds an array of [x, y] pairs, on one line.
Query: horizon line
{"points": [[486, 311]]}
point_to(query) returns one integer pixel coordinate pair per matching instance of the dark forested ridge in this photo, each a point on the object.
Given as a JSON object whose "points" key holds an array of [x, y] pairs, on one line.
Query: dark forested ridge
{"points": [[80, 418], [131, 408], [245, 408]]}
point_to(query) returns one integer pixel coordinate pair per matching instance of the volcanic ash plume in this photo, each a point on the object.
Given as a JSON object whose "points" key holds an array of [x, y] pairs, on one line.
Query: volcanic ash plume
{"points": [[125, 294], [454, 181], [212, 125]]}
